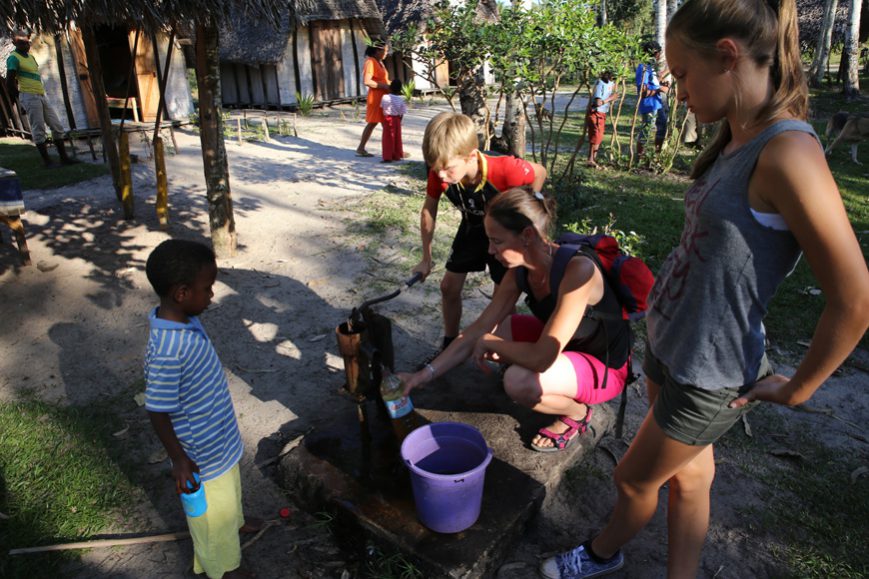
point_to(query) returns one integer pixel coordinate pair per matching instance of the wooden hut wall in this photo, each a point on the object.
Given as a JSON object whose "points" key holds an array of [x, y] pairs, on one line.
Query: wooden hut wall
{"points": [[228, 87], [43, 51], [286, 75], [303, 51], [241, 82], [179, 101], [257, 91], [270, 84], [350, 65]]}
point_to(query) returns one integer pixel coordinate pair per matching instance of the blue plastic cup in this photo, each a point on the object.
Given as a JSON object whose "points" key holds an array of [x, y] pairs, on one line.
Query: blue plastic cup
{"points": [[194, 503]]}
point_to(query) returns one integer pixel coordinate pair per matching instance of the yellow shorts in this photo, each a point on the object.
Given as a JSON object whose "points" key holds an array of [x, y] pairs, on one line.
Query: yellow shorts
{"points": [[216, 544]]}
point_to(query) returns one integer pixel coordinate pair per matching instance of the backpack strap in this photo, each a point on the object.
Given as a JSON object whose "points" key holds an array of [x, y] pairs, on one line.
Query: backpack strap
{"points": [[559, 264]]}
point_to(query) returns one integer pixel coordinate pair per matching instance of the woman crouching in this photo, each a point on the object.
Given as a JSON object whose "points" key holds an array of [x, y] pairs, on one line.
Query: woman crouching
{"points": [[561, 360]]}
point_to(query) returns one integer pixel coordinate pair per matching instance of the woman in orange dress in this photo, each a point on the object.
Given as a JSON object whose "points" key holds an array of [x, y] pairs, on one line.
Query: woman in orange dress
{"points": [[376, 78]]}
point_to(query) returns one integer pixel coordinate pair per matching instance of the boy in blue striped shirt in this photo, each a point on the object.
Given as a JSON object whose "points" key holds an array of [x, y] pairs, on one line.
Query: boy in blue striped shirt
{"points": [[188, 402]]}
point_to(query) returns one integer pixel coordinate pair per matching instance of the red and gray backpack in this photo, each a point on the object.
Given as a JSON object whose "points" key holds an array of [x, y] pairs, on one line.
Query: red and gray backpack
{"points": [[628, 276]]}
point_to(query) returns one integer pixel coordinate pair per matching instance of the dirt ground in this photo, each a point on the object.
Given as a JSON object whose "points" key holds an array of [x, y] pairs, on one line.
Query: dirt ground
{"points": [[75, 331]]}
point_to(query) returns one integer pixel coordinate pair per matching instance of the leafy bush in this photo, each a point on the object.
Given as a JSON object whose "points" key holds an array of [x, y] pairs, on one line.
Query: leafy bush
{"points": [[305, 103], [407, 91]]}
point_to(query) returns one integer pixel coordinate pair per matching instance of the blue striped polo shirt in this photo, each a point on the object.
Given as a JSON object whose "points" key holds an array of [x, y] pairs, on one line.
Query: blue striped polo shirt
{"points": [[185, 379]]}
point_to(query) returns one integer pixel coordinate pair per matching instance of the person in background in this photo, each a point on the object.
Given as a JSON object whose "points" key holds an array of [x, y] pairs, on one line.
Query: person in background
{"points": [[595, 119], [469, 179], [24, 84], [763, 196], [394, 109], [376, 78], [188, 403], [652, 93]]}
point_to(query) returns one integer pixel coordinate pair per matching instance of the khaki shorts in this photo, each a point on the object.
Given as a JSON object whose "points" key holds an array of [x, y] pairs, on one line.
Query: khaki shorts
{"points": [[691, 414]]}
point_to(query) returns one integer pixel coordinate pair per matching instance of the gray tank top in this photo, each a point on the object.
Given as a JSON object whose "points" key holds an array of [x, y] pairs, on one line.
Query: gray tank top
{"points": [[705, 322]]}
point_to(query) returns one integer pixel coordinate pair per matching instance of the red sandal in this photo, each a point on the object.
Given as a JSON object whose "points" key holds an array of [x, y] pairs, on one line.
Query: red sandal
{"points": [[560, 441]]}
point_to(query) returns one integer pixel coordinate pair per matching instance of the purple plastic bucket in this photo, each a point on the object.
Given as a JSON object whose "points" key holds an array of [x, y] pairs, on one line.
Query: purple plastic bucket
{"points": [[447, 462]]}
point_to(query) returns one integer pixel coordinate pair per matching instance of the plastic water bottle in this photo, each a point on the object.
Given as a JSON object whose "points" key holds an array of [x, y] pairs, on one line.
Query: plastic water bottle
{"points": [[398, 405], [194, 503]]}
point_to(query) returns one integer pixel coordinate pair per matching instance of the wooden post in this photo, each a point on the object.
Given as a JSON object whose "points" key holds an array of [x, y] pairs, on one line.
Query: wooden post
{"points": [[215, 164], [265, 122], [61, 69], [162, 185], [17, 227], [130, 80], [240, 140], [126, 175], [164, 77], [96, 77], [162, 81]]}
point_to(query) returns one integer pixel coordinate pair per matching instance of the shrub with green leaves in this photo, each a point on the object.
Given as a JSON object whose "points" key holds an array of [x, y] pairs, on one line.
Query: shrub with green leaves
{"points": [[304, 103], [407, 91]]}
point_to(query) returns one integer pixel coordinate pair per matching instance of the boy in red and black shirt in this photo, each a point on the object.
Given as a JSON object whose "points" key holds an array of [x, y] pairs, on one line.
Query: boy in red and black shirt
{"points": [[469, 179]]}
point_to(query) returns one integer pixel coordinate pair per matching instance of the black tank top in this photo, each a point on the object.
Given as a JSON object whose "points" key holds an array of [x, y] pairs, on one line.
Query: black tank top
{"points": [[609, 334]]}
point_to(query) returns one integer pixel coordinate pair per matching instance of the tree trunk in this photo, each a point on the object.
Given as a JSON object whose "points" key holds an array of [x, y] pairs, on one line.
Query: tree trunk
{"points": [[95, 68], [852, 51], [661, 22], [602, 16], [472, 97], [825, 37], [513, 131], [672, 6], [216, 168]]}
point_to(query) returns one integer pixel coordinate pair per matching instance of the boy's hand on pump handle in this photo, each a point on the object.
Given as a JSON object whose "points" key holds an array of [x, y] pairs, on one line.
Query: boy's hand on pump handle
{"points": [[424, 267]]}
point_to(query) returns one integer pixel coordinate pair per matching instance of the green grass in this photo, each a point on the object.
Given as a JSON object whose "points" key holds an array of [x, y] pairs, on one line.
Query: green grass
{"points": [[58, 483], [23, 158]]}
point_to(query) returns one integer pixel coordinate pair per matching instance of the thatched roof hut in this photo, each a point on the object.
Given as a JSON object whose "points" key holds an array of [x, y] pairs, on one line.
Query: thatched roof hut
{"points": [[314, 50], [52, 16], [398, 15]]}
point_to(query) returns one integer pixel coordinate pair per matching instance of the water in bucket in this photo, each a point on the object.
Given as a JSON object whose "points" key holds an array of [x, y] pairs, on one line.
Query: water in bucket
{"points": [[447, 463]]}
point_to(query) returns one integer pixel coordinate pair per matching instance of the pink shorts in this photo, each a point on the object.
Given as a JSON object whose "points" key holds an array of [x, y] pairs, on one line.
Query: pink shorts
{"points": [[588, 369]]}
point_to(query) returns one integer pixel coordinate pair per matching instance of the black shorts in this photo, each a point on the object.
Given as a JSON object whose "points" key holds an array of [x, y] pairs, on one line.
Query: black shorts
{"points": [[470, 252]]}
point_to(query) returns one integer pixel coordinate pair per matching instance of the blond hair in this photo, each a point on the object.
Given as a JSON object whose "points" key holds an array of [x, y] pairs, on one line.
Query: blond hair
{"points": [[768, 29], [520, 207], [448, 135]]}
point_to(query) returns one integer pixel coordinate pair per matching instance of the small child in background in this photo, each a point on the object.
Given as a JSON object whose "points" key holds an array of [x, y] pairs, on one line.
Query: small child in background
{"points": [[188, 402], [595, 119], [394, 109]]}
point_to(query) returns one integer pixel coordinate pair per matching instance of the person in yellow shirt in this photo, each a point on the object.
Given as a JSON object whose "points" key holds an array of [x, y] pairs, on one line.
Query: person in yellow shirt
{"points": [[25, 85]]}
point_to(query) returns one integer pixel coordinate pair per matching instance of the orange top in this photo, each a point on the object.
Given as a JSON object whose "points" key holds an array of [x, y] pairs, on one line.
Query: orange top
{"points": [[374, 70]]}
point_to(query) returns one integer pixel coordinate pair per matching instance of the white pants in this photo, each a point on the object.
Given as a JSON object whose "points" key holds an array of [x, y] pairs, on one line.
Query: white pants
{"points": [[39, 112]]}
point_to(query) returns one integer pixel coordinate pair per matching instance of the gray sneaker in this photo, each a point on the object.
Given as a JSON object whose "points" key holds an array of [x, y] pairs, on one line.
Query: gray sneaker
{"points": [[577, 564]]}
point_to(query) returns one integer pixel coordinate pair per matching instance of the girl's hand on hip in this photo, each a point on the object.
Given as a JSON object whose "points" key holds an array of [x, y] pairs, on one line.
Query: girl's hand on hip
{"points": [[771, 389]]}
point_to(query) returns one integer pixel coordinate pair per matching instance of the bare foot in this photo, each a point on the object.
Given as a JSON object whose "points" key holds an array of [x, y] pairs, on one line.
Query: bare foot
{"points": [[239, 574], [592, 164], [251, 525]]}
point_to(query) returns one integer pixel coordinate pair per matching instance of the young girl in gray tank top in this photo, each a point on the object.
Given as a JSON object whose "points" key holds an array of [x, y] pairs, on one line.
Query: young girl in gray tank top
{"points": [[735, 61]]}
